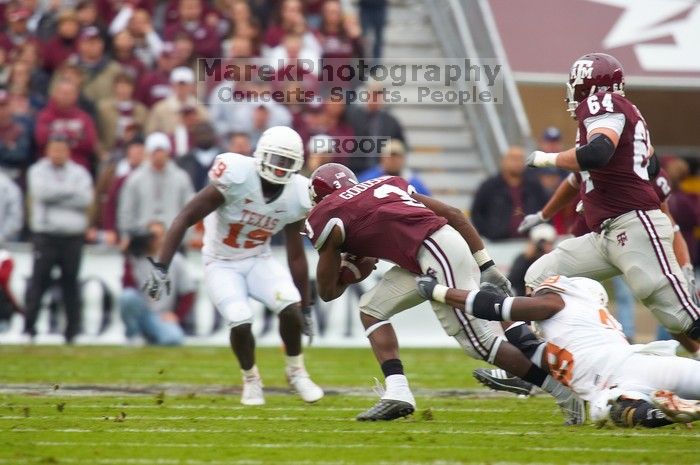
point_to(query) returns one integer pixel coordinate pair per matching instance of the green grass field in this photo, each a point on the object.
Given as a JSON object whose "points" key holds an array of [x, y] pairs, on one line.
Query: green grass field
{"points": [[97, 405]]}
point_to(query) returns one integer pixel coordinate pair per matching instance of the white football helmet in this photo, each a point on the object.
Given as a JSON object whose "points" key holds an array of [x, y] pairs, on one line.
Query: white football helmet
{"points": [[279, 154]]}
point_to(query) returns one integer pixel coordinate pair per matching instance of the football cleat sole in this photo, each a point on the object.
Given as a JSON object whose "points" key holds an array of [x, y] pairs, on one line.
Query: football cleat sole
{"points": [[387, 410], [488, 377]]}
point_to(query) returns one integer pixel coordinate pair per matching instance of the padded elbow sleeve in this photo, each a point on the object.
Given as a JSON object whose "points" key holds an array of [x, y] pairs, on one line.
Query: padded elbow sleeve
{"points": [[596, 153]]}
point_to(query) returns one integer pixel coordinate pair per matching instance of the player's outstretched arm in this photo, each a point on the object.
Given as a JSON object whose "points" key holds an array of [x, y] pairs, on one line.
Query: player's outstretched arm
{"points": [[491, 306], [296, 258], [328, 268], [601, 146], [565, 193], [204, 202]]}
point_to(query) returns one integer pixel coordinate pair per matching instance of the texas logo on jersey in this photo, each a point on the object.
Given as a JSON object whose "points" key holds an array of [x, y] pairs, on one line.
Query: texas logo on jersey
{"points": [[243, 225]]}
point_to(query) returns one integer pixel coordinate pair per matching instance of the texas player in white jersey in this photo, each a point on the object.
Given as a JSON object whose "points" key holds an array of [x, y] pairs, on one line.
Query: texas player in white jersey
{"points": [[247, 201], [584, 348]]}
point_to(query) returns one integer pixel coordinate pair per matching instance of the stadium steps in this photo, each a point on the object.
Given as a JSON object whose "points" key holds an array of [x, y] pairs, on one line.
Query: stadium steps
{"points": [[443, 152]]}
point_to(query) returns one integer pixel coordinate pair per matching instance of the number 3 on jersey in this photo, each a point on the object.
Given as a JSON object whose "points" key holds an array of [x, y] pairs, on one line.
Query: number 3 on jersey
{"points": [[253, 239], [386, 190]]}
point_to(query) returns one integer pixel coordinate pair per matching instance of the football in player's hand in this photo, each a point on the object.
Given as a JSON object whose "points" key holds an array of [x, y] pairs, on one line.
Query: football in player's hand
{"points": [[355, 269]]}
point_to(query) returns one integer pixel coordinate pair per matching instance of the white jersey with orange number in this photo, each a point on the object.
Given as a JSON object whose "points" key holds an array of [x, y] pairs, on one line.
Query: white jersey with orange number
{"points": [[242, 226], [585, 344]]}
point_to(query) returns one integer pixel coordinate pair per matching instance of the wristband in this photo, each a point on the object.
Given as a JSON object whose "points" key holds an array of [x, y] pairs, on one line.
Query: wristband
{"points": [[482, 257], [540, 215], [440, 292], [676, 228], [545, 159], [505, 308]]}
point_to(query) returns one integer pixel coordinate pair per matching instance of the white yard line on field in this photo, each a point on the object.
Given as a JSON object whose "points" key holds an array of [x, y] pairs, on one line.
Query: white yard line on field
{"points": [[606, 433], [307, 408], [311, 445]]}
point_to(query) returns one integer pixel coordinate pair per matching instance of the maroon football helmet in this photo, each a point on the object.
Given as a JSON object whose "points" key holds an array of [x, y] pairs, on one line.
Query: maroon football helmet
{"points": [[329, 178], [593, 72]]}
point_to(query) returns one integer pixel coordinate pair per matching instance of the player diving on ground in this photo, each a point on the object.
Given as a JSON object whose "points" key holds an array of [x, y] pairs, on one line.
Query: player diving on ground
{"points": [[583, 347]]}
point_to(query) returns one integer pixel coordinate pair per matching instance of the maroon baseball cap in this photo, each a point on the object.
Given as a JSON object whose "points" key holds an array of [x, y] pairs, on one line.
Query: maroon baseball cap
{"points": [[90, 32]]}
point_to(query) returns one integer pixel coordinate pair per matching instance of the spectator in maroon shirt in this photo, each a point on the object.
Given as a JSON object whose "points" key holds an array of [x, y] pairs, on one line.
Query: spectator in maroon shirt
{"points": [[291, 20], [62, 115], [154, 86], [340, 35], [684, 207], [17, 33], [107, 191], [336, 126], [239, 21], [148, 45], [123, 52], [184, 51], [61, 46], [204, 36]]}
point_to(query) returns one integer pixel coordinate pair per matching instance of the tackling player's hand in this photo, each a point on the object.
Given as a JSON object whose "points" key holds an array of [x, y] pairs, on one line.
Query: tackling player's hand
{"points": [[530, 221], [689, 274], [426, 285], [157, 280], [494, 276], [307, 324]]}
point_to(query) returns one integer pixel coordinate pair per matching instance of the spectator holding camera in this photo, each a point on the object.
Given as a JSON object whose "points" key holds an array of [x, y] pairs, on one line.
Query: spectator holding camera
{"points": [[60, 192], [155, 321]]}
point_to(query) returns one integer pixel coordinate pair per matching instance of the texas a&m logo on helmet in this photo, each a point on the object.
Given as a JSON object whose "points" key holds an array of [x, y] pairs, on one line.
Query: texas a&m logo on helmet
{"points": [[593, 72]]}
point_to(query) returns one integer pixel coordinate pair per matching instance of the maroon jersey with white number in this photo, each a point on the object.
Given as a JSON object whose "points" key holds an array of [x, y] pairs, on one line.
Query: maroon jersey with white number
{"points": [[378, 218], [623, 184]]}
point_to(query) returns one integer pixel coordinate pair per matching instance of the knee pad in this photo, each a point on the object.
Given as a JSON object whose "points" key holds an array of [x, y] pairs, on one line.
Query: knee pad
{"points": [[522, 337], [236, 313], [642, 282]]}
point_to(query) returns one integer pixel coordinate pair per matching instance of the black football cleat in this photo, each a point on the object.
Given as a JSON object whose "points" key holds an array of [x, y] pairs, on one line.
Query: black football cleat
{"points": [[501, 380], [386, 410]]}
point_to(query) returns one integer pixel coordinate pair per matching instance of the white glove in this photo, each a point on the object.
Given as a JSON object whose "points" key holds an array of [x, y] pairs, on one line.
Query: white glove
{"points": [[541, 159], [493, 276], [689, 274], [157, 280], [530, 221]]}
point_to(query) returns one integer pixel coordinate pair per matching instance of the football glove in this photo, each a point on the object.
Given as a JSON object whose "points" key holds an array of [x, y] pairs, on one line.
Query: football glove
{"points": [[494, 276], [157, 281], [307, 324], [689, 274], [530, 221], [426, 285]]}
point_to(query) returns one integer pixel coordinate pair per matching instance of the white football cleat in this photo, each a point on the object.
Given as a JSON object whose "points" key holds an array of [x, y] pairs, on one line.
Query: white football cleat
{"points": [[252, 391], [676, 409], [300, 381]]}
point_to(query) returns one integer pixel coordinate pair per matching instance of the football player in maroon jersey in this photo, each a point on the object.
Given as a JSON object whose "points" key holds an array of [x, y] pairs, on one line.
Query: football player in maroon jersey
{"points": [[384, 218], [566, 193], [629, 235]]}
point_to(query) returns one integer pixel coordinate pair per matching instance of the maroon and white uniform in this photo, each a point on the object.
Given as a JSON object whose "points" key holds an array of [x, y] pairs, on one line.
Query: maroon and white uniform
{"points": [[630, 234], [379, 218], [623, 184]]}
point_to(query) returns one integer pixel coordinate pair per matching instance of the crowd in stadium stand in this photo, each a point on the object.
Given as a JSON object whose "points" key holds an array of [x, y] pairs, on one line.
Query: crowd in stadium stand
{"points": [[103, 109]]}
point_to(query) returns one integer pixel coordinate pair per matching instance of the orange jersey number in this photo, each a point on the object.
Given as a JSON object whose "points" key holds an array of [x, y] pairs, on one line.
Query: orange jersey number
{"points": [[561, 363], [254, 238]]}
